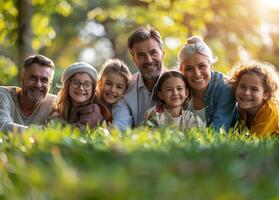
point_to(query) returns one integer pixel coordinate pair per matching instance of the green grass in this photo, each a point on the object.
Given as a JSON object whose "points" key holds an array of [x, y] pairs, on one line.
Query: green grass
{"points": [[60, 163]]}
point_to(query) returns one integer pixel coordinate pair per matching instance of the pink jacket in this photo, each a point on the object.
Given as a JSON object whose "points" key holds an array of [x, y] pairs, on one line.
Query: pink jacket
{"points": [[87, 114]]}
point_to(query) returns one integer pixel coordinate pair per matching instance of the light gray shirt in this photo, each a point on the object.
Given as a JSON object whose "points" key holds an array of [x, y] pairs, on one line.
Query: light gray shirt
{"points": [[200, 113], [11, 117], [130, 110], [162, 118]]}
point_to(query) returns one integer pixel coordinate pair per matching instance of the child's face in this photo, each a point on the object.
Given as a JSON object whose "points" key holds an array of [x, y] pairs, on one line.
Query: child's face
{"points": [[173, 92], [112, 88], [81, 88], [250, 92]]}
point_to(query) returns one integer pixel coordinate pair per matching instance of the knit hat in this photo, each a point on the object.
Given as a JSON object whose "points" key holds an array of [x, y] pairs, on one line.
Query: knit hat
{"points": [[79, 67]]}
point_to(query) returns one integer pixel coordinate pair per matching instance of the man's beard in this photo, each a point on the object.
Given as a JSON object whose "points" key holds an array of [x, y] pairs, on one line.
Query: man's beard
{"points": [[153, 76], [26, 91]]}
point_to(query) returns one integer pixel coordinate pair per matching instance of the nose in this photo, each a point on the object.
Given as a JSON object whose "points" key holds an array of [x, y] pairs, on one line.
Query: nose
{"points": [[38, 83], [148, 58], [80, 87], [175, 91], [197, 72], [113, 88], [246, 91]]}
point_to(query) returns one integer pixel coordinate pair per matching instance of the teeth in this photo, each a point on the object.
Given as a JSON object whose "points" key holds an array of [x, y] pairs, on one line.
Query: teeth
{"points": [[80, 94], [111, 95], [37, 92], [198, 80], [245, 99]]}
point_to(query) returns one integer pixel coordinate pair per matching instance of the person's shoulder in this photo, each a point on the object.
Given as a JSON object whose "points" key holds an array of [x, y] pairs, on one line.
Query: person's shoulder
{"points": [[268, 112], [218, 78], [191, 116], [155, 110], [188, 114], [7, 89], [220, 82], [132, 87], [273, 105], [9, 92], [96, 107], [49, 99], [270, 108], [133, 82]]}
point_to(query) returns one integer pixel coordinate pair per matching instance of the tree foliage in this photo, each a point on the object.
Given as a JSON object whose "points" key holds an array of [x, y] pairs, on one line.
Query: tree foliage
{"points": [[72, 30]]}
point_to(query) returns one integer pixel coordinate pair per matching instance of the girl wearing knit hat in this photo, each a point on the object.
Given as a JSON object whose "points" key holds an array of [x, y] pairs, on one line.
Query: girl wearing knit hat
{"points": [[76, 101]]}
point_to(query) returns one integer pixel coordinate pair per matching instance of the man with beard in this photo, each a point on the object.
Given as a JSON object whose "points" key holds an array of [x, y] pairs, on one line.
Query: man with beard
{"points": [[146, 48], [31, 104]]}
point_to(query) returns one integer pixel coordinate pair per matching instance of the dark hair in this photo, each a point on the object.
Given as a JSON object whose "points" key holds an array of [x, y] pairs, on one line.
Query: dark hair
{"points": [[143, 33], [38, 59], [166, 75]]}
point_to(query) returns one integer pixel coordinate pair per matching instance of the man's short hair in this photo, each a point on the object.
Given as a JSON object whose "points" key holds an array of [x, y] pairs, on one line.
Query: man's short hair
{"points": [[38, 59], [143, 33]]}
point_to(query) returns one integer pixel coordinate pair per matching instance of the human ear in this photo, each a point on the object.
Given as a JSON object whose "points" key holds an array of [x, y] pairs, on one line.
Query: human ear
{"points": [[211, 67], [265, 97], [21, 77]]}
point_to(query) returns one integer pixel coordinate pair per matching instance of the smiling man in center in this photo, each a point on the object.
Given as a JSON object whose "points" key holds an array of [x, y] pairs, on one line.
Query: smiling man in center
{"points": [[146, 48]]}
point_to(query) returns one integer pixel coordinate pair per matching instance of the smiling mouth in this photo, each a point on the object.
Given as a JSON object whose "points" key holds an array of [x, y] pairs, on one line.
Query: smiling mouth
{"points": [[245, 100], [80, 94], [151, 68], [38, 92], [111, 95], [198, 80]]}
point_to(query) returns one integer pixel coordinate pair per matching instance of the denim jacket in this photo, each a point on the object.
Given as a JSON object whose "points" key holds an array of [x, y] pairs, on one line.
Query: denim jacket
{"points": [[219, 102]]}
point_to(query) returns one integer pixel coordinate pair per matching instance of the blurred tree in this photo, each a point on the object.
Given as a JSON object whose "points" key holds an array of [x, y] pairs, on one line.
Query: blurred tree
{"points": [[68, 31], [24, 38], [25, 29]]}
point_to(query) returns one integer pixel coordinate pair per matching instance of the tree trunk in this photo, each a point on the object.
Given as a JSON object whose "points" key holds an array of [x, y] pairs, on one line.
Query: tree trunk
{"points": [[24, 41]]}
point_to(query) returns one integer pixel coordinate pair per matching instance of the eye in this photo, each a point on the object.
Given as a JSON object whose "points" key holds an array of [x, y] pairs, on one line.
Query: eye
{"points": [[120, 87], [33, 78], [75, 83], [108, 82], [44, 80], [87, 84], [188, 69], [180, 89], [255, 89], [140, 54], [154, 52], [202, 66]]}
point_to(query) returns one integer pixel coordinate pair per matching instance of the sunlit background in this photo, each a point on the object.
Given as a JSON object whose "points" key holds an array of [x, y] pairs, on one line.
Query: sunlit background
{"points": [[93, 31]]}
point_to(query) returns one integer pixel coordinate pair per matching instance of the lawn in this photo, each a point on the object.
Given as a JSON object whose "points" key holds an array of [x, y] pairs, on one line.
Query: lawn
{"points": [[62, 163]]}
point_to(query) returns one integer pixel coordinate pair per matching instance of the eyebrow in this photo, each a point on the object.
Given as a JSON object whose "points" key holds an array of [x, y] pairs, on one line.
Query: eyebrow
{"points": [[201, 63]]}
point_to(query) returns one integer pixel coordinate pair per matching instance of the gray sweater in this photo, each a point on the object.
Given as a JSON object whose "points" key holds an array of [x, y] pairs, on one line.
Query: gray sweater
{"points": [[11, 117]]}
